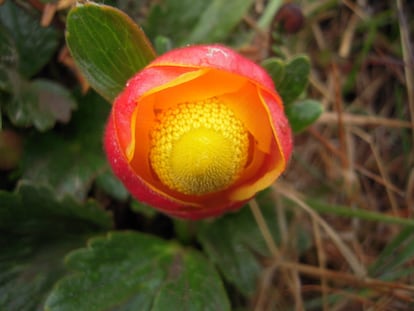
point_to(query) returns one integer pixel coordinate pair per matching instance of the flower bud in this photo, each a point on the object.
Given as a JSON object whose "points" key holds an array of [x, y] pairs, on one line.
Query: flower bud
{"points": [[290, 18], [198, 132]]}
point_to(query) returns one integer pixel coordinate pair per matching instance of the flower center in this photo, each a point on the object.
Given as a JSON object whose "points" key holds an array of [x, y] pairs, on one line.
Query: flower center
{"points": [[198, 148]]}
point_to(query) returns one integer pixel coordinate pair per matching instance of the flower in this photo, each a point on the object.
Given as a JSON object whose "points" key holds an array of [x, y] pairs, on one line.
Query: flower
{"points": [[198, 132]]}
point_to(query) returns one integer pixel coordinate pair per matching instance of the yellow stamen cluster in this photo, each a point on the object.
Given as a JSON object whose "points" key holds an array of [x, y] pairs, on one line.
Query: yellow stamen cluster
{"points": [[199, 147]]}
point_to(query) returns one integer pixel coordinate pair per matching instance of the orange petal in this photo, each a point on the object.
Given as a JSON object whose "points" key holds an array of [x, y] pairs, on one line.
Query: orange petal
{"points": [[247, 106], [273, 166], [194, 86]]}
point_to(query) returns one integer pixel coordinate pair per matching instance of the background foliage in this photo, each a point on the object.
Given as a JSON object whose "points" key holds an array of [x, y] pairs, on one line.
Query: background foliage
{"points": [[335, 233]]}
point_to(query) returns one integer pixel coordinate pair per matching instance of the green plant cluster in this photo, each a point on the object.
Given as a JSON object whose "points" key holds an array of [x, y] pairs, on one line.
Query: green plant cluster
{"points": [[66, 242]]}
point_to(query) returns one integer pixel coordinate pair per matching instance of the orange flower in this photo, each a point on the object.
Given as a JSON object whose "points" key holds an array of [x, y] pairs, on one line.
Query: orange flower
{"points": [[198, 132]]}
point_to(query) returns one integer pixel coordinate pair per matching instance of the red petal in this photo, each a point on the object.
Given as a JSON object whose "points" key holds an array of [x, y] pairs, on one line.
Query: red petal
{"points": [[215, 56]]}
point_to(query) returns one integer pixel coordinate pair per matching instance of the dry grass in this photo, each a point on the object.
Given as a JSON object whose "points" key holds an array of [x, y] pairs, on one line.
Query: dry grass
{"points": [[359, 155]]}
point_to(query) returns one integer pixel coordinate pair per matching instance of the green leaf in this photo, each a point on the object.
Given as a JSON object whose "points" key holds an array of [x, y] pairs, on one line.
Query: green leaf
{"points": [[302, 114], [35, 44], [276, 69], [35, 210], [290, 78], [236, 245], [37, 231], [400, 251], [218, 20], [162, 44], [107, 46], [295, 78], [112, 185], [172, 19], [8, 58], [192, 284], [205, 22], [345, 211], [144, 209], [70, 160], [134, 271], [40, 103]]}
